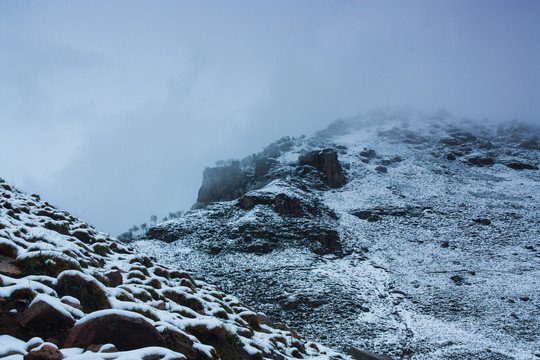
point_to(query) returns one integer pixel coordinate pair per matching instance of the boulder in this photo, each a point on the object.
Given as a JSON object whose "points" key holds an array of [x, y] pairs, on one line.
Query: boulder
{"points": [[370, 154], [181, 343], [115, 278], [358, 354], [90, 293], [124, 332], [43, 313], [9, 268], [45, 352], [381, 169]]}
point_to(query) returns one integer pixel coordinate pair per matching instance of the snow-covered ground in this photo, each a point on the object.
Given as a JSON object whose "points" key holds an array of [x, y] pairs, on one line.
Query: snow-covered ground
{"points": [[445, 265]]}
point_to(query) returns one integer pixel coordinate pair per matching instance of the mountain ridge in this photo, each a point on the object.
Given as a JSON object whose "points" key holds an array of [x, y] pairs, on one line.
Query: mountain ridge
{"points": [[431, 212]]}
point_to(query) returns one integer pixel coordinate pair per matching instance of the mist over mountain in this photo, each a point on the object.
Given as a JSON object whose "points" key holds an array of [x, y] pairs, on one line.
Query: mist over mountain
{"points": [[133, 99]]}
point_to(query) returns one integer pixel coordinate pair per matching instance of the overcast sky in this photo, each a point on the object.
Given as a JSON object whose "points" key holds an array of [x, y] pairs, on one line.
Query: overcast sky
{"points": [[112, 109]]}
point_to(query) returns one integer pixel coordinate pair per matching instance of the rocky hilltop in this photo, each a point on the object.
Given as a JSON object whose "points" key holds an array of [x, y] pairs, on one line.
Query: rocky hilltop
{"points": [[68, 291], [402, 233]]}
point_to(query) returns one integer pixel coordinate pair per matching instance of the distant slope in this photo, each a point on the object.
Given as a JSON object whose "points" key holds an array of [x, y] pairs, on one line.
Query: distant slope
{"points": [[69, 291], [405, 233]]}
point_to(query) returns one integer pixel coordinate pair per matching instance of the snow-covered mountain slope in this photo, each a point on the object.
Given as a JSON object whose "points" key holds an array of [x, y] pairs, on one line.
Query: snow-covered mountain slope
{"points": [[68, 291], [402, 233]]}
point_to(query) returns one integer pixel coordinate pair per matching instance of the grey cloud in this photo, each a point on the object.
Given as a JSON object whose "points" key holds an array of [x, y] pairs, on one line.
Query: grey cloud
{"points": [[119, 106]]}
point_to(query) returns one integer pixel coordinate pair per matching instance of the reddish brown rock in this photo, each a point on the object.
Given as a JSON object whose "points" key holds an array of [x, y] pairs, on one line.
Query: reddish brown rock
{"points": [[83, 236], [89, 293], [9, 268], [42, 313], [71, 303], [326, 161], [285, 205], [126, 333], [181, 343], [47, 352], [115, 278], [97, 347]]}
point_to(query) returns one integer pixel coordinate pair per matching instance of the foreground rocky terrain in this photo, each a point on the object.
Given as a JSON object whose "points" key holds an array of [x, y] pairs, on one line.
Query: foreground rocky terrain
{"points": [[402, 233], [70, 292]]}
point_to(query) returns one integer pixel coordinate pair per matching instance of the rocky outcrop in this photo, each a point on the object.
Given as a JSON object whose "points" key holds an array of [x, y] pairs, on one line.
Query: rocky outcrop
{"points": [[285, 205], [326, 162], [222, 184]]}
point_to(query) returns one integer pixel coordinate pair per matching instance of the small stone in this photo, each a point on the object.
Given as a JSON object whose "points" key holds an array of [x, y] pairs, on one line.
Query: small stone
{"points": [[47, 352]]}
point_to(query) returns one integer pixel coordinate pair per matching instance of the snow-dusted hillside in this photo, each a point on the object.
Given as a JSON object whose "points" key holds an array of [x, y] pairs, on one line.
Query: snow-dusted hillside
{"points": [[68, 291], [430, 250]]}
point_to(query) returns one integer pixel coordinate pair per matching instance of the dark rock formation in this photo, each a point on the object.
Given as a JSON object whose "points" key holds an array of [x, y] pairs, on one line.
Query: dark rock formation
{"points": [[371, 213], [90, 293], [325, 161], [114, 277], [263, 167], [516, 165], [222, 184], [480, 161], [482, 221], [126, 333], [370, 154], [46, 352], [182, 343], [41, 313], [248, 202], [285, 205], [358, 354]]}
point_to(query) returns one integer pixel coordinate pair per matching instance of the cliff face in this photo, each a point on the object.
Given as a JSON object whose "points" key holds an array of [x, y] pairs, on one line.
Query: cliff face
{"points": [[409, 234], [68, 291], [229, 182]]}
